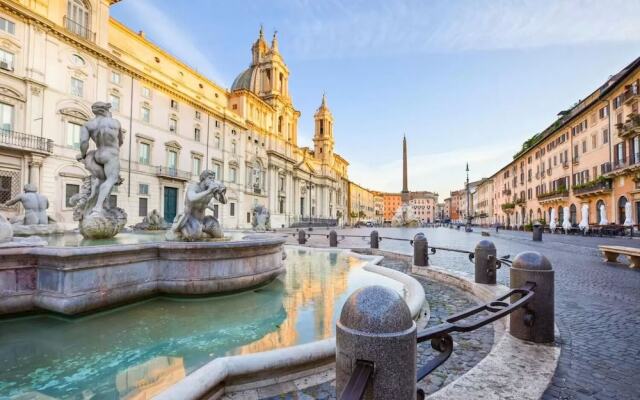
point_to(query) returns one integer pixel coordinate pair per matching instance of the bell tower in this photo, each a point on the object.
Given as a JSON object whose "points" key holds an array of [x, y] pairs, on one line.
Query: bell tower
{"points": [[323, 140]]}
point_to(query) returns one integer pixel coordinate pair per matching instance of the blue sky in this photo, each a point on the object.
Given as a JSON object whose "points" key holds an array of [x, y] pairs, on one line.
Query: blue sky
{"points": [[465, 80]]}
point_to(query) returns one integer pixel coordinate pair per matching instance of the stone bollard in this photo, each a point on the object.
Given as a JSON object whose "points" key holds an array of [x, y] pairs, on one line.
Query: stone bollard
{"points": [[537, 232], [333, 239], [420, 250], [535, 321], [302, 236], [375, 240], [485, 262], [375, 326]]}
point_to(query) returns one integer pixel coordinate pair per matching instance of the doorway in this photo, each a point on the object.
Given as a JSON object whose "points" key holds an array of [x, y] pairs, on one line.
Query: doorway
{"points": [[170, 203]]}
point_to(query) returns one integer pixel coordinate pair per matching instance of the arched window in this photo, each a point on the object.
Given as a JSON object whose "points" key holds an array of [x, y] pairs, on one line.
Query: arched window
{"points": [[622, 202], [573, 214], [560, 214], [599, 204], [78, 18]]}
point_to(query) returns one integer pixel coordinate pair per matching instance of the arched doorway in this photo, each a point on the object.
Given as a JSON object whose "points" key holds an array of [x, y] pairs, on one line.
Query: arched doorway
{"points": [[573, 218], [622, 212], [599, 204], [560, 214]]}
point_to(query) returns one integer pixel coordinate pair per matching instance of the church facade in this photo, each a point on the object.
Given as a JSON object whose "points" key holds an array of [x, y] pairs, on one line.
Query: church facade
{"points": [[60, 56]]}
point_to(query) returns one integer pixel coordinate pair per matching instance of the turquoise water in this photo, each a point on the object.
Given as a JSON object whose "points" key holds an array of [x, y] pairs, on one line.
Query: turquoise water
{"points": [[134, 352]]}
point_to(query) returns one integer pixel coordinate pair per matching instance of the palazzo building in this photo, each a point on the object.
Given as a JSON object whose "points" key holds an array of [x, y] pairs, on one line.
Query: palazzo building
{"points": [[58, 57], [589, 156]]}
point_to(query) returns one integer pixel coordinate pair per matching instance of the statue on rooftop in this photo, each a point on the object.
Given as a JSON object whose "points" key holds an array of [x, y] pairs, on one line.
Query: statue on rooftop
{"points": [[98, 218], [193, 224]]}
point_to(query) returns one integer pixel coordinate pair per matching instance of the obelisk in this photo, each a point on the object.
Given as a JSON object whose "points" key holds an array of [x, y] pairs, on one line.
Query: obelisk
{"points": [[405, 183]]}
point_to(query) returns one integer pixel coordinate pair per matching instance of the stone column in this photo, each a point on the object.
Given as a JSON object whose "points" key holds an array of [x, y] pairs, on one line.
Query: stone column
{"points": [[35, 163]]}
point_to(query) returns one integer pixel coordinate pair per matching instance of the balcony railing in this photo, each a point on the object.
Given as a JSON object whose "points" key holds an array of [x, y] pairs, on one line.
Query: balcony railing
{"points": [[630, 127], [594, 187], [24, 141], [79, 30], [252, 188], [506, 192], [631, 93], [619, 164], [576, 159], [556, 194], [173, 173]]}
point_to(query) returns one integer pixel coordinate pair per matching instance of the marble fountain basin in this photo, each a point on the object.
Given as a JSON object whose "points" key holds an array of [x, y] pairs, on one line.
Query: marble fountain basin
{"points": [[75, 280]]}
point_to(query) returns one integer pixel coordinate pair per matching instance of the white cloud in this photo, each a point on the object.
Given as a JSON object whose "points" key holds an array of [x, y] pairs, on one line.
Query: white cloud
{"points": [[439, 172], [166, 32], [379, 27]]}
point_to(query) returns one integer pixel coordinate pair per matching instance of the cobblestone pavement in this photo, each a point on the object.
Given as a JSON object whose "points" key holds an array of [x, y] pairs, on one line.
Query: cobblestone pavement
{"points": [[469, 348], [597, 303]]}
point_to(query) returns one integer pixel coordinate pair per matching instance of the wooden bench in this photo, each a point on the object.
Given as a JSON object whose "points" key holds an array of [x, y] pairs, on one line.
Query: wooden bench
{"points": [[611, 253]]}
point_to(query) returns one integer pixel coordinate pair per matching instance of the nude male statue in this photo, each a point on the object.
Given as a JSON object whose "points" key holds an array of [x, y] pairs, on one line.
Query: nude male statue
{"points": [[192, 224], [104, 162], [35, 205]]}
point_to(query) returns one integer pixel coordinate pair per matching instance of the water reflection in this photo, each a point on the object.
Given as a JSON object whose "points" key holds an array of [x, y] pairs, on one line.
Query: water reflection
{"points": [[131, 352]]}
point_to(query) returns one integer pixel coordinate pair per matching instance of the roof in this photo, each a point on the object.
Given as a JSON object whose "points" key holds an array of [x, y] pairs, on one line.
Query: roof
{"points": [[243, 81]]}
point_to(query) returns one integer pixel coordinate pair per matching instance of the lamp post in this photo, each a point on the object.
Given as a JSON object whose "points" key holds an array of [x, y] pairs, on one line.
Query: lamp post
{"points": [[468, 226]]}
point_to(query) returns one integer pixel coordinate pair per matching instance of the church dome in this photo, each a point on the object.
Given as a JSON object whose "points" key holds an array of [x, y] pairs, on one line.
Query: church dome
{"points": [[244, 80]]}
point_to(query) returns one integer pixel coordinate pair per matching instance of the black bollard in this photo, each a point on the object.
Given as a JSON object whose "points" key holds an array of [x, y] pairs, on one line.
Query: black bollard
{"points": [[375, 240], [302, 236], [420, 250], [535, 321], [333, 239], [485, 262]]}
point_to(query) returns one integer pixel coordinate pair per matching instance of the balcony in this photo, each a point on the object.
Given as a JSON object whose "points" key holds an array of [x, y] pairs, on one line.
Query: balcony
{"points": [[593, 188], [555, 195], [576, 160], [620, 164], [508, 207], [630, 127], [79, 30], [565, 164], [255, 189], [631, 93], [23, 141], [173, 173], [506, 192]]}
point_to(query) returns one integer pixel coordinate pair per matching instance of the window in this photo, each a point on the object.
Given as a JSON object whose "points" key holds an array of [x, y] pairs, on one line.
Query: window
{"points": [[145, 114], [198, 114], [73, 135], [603, 112], [172, 160], [232, 174], [174, 104], [281, 206], [196, 134], [281, 183], [217, 141], [215, 210], [6, 60], [173, 125], [144, 153], [232, 209], [6, 188], [233, 147], [7, 26], [594, 141], [248, 218], [217, 170], [115, 77], [142, 206], [143, 189], [605, 136], [146, 92], [69, 191], [115, 102], [77, 87], [584, 146], [77, 60], [77, 17], [196, 166], [6, 117]]}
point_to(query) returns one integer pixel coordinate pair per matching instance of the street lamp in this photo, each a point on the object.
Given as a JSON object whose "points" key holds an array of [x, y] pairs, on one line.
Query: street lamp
{"points": [[468, 226]]}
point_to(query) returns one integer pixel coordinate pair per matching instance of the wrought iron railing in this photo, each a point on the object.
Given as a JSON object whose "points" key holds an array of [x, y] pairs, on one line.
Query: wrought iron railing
{"points": [[173, 173], [25, 141], [79, 30]]}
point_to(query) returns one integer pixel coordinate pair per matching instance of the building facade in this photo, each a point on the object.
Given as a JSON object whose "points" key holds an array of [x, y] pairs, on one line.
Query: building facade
{"points": [[361, 204], [391, 202], [60, 56], [589, 156], [423, 205]]}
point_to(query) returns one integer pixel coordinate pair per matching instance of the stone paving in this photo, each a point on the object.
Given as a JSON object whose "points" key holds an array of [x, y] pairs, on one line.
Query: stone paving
{"points": [[597, 303], [469, 348]]}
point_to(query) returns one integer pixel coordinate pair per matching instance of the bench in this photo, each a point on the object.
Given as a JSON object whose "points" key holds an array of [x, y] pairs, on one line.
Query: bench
{"points": [[611, 253]]}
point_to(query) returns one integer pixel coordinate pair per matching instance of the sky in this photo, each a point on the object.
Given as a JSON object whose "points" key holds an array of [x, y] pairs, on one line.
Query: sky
{"points": [[466, 80]]}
